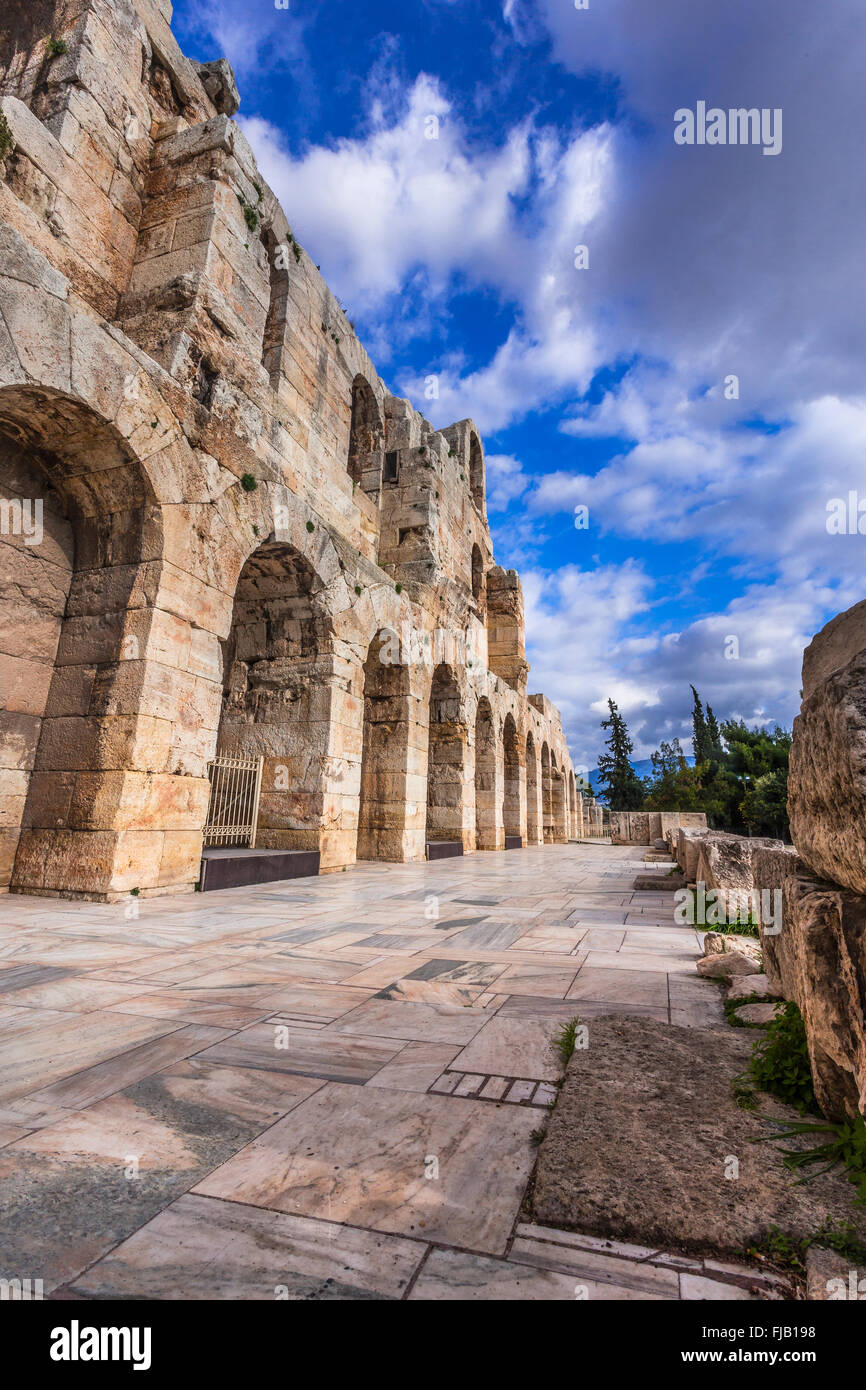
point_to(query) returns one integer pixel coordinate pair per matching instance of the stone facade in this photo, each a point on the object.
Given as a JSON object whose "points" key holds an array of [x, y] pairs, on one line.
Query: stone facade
{"points": [[247, 545]]}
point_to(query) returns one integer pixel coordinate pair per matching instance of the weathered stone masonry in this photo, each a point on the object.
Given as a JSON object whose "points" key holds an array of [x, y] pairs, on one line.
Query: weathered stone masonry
{"points": [[235, 512]]}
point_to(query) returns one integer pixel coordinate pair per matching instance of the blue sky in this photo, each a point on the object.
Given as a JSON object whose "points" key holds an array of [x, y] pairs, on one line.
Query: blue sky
{"points": [[707, 556]]}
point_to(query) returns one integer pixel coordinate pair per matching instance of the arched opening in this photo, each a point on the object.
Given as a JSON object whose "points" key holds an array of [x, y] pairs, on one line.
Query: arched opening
{"points": [[77, 528], [445, 758], [546, 795], [277, 668], [478, 576], [560, 832], [485, 778], [531, 792], [511, 801], [366, 439], [476, 471], [273, 341], [382, 808]]}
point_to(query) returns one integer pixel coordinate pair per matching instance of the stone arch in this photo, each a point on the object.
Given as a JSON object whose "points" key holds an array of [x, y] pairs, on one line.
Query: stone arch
{"points": [[546, 795], [277, 685], [511, 816], [478, 583], [476, 471], [532, 827], [366, 438], [75, 625], [486, 830], [446, 758], [558, 803], [274, 337], [385, 754]]}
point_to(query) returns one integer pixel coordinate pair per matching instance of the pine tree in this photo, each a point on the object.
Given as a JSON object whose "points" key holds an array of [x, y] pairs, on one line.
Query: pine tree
{"points": [[699, 726], [618, 782]]}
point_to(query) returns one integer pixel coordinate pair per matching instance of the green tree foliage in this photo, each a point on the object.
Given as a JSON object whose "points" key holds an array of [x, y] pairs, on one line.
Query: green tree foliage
{"points": [[699, 729], [740, 776], [673, 785], [618, 784]]}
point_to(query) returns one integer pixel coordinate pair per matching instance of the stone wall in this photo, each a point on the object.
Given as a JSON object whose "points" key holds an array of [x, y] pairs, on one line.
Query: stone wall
{"points": [[247, 543], [819, 957], [645, 827]]}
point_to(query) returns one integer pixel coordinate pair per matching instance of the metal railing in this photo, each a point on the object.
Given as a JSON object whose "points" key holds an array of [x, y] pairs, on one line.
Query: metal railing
{"points": [[233, 810], [590, 818]]}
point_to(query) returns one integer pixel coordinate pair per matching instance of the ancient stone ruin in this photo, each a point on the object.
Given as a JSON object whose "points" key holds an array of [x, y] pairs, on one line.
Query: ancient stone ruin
{"points": [[222, 536], [813, 934]]}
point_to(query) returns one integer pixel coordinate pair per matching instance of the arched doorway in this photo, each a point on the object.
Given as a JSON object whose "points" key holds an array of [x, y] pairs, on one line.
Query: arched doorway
{"points": [[78, 531], [486, 835], [366, 438], [446, 755], [557, 790], [277, 670], [546, 795], [478, 576], [531, 791], [384, 761], [511, 800]]}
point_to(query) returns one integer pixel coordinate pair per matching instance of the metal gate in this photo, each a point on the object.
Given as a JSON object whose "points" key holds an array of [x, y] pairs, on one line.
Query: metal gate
{"points": [[233, 811]]}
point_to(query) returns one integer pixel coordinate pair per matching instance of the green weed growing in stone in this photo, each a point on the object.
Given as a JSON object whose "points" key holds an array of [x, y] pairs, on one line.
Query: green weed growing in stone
{"points": [[566, 1039], [780, 1061], [7, 142], [57, 47], [248, 483], [310, 527], [847, 1147], [790, 1252]]}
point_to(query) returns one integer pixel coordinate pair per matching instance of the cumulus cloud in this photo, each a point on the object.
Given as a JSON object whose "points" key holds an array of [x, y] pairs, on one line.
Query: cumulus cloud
{"points": [[703, 264]]}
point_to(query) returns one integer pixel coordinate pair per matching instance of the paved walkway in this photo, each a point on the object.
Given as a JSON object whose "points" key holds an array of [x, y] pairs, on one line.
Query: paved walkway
{"points": [[325, 1088]]}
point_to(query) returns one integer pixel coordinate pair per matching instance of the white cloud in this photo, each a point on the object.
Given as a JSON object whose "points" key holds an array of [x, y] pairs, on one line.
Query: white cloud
{"points": [[505, 479]]}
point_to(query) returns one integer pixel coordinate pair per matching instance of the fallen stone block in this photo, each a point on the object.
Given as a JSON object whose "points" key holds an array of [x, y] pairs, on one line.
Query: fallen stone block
{"points": [[823, 964], [831, 1276], [751, 987], [772, 867], [827, 780], [625, 1156], [758, 1013], [719, 943], [718, 967]]}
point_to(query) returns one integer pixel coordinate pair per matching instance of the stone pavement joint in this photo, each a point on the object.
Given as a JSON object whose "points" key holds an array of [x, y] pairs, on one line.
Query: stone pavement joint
{"points": [[309, 1091]]}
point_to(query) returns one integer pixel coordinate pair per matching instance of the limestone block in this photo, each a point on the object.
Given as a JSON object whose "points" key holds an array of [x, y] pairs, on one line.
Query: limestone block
{"points": [[823, 967], [827, 780], [687, 852], [181, 858], [771, 868], [725, 862], [726, 965], [8, 846]]}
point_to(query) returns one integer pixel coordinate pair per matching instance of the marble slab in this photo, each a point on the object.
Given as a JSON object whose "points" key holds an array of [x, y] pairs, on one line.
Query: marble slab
{"points": [[395, 1161], [386, 1018], [513, 1046], [307, 1052], [202, 1248]]}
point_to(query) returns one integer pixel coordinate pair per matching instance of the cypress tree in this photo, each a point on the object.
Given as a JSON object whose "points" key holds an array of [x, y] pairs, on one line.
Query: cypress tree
{"points": [[714, 738], [619, 784], [699, 727]]}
